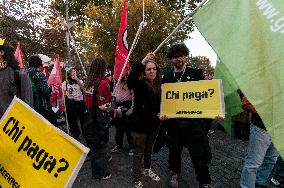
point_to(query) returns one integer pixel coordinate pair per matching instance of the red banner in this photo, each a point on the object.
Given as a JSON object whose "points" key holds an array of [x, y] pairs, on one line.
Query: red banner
{"points": [[54, 81], [19, 56], [121, 52]]}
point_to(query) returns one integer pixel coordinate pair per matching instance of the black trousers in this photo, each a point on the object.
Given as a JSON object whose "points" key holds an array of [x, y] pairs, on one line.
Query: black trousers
{"points": [[194, 137], [122, 126], [75, 112], [241, 130], [143, 146], [99, 160]]}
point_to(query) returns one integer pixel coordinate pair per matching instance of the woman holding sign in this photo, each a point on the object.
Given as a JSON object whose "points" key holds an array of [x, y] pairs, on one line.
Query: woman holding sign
{"points": [[145, 80]]}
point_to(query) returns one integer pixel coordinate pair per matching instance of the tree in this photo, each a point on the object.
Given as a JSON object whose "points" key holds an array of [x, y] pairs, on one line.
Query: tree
{"points": [[201, 62], [33, 24], [101, 20]]}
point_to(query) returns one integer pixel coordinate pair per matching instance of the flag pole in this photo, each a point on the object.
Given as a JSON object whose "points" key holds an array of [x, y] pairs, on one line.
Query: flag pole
{"points": [[67, 34], [68, 39], [179, 26], [78, 55]]}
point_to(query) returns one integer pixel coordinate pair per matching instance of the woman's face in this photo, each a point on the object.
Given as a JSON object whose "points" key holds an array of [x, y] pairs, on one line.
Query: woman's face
{"points": [[73, 73], [1, 54], [150, 71]]}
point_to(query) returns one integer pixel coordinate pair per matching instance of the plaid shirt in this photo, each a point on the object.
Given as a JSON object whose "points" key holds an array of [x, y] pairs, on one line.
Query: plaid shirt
{"points": [[43, 90]]}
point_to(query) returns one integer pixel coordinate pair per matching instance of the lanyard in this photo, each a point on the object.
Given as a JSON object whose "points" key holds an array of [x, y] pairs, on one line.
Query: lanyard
{"points": [[178, 80]]}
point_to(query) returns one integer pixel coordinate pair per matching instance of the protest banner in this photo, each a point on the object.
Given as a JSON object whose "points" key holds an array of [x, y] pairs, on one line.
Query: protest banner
{"points": [[248, 38], [34, 153], [198, 99]]}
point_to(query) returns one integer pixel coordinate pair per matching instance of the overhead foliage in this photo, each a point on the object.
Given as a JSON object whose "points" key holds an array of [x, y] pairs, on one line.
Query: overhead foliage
{"points": [[201, 62], [98, 21], [33, 24]]}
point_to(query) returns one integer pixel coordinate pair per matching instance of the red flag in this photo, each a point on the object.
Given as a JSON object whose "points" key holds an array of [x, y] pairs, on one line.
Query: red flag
{"points": [[19, 56], [121, 52], [54, 81]]}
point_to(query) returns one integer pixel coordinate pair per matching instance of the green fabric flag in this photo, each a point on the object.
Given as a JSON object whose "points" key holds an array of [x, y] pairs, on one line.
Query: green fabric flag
{"points": [[231, 97], [248, 36]]}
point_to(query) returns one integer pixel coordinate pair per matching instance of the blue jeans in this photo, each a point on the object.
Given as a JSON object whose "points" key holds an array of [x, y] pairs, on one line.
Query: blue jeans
{"points": [[260, 159], [278, 171]]}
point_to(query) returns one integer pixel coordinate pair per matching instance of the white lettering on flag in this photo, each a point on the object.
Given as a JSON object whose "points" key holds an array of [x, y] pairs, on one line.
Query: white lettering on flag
{"points": [[272, 15]]}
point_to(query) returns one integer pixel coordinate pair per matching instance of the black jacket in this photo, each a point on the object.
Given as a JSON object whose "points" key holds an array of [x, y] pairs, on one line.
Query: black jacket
{"points": [[189, 74], [146, 102], [96, 122], [193, 129]]}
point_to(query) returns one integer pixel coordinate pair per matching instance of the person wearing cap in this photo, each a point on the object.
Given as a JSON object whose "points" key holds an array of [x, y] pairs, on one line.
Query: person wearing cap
{"points": [[145, 81], [41, 91], [73, 89], [14, 81], [186, 132]]}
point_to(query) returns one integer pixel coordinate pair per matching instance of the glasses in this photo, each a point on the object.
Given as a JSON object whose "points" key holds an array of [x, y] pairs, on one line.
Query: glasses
{"points": [[180, 58]]}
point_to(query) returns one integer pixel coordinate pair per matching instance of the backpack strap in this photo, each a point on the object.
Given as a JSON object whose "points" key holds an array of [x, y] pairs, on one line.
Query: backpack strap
{"points": [[96, 87], [17, 80]]}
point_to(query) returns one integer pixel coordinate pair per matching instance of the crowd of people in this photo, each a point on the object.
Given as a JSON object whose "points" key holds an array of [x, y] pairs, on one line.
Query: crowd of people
{"points": [[133, 107]]}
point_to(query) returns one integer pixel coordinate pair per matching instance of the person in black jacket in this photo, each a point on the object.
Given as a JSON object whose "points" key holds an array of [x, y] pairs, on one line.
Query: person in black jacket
{"points": [[96, 128], [186, 132], [14, 81], [145, 81]]}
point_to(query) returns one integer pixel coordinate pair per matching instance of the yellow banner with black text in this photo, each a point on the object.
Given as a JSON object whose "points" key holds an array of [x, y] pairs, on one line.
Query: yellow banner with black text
{"points": [[195, 99], [34, 153]]}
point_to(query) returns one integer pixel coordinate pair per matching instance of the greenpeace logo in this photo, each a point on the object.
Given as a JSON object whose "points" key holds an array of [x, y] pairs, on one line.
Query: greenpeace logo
{"points": [[271, 13]]}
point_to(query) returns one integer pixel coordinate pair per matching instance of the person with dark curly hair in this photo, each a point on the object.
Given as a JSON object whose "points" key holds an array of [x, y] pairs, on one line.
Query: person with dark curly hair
{"points": [[14, 81], [41, 90], [186, 132]]}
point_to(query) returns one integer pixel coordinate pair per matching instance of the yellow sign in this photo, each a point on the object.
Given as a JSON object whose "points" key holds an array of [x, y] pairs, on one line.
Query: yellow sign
{"points": [[34, 153], [198, 99]]}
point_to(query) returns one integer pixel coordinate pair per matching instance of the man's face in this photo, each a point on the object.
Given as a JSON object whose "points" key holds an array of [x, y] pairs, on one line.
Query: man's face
{"points": [[179, 61]]}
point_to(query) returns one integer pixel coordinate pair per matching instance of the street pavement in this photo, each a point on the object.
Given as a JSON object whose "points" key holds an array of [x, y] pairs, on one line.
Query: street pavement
{"points": [[227, 160]]}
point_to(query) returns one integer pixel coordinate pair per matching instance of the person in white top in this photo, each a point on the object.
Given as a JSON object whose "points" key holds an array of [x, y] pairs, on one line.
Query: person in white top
{"points": [[122, 121], [73, 90]]}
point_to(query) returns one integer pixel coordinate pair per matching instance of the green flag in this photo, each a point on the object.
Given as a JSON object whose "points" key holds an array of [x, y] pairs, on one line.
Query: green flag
{"points": [[232, 98], [248, 36]]}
